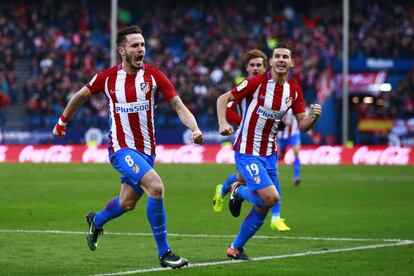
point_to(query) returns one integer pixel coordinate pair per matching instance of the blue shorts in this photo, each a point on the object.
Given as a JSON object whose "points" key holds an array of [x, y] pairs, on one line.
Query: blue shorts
{"points": [[291, 141], [132, 165], [258, 171]]}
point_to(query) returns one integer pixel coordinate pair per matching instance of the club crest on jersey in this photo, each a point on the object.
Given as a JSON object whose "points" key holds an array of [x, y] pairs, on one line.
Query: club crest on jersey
{"points": [[242, 85], [144, 87], [135, 169], [288, 101], [257, 179]]}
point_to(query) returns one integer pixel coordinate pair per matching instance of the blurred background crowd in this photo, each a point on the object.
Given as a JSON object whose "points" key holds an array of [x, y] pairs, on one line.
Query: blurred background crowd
{"points": [[51, 49]]}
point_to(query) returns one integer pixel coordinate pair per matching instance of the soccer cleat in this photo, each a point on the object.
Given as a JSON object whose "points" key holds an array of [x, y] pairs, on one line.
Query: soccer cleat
{"points": [[237, 254], [218, 200], [296, 181], [235, 202], [279, 224], [170, 259], [93, 233]]}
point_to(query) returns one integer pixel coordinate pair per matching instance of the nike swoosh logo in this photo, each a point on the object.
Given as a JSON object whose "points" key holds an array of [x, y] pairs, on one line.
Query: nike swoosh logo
{"points": [[155, 227], [175, 262]]}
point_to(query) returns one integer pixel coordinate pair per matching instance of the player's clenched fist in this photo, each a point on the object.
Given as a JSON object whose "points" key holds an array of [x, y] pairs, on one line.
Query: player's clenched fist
{"points": [[60, 128], [197, 137], [316, 110], [225, 129]]}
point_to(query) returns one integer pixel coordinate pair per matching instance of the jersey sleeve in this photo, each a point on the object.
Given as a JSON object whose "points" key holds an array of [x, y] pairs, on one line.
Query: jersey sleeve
{"points": [[246, 88], [97, 83], [298, 105], [232, 116], [164, 85]]}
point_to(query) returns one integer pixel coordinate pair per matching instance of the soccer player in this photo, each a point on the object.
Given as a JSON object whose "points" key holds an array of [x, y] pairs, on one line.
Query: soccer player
{"points": [[269, 96], [291, 136], [255, 61], [132, 88]]}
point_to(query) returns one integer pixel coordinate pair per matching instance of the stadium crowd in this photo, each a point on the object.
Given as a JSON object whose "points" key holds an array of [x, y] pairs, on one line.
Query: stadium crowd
{"points": [[8, 91], [199, 45]]}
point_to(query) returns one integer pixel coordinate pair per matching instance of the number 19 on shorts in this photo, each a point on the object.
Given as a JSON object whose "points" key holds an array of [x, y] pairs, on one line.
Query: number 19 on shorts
{"points": [[253, 169]]}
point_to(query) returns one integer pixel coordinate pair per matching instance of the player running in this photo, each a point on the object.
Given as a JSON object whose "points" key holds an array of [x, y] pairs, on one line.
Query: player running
{"points": [[255, 61], [269, 96], [132, 88]]}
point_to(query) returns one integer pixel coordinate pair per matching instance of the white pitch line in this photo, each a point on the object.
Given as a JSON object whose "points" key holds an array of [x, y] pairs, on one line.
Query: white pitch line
{"points": [[301, 254], [198, 235]]}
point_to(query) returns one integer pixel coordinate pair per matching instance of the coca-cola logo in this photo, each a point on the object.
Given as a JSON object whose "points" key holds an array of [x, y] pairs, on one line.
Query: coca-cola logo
{"points": [[3, 150], [225, 155], [95, 155], [53, 154], [182, 154], [387, 156], [330, 155]]}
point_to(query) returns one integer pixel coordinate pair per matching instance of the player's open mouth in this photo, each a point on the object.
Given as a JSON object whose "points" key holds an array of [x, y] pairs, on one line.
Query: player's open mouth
{"points": [[140, 58]]}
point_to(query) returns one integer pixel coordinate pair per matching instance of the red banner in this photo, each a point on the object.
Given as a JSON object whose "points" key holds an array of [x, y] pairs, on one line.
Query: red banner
{"points": [[365, 82], [329, 155]]}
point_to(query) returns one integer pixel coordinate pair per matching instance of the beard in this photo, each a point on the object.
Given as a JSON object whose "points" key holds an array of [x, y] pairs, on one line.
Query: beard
{"points": [[130, 60]]}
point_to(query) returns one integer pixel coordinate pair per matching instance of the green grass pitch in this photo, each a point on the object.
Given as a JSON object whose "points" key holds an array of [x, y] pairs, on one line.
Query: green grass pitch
{"points": [[345, 220]]}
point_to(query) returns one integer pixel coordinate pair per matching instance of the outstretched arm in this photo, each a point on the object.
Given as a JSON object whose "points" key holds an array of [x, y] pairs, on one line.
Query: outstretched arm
{"points": [[74, 103], [187, 118], [224, 127], [306, 122]]}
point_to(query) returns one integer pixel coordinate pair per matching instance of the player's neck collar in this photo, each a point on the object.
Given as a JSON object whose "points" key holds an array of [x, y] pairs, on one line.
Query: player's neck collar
{"points": [[120, 67]]}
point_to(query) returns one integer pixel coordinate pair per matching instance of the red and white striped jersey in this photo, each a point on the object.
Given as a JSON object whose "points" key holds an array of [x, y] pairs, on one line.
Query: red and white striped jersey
{"points": [[132, 99], [267, 103], [234, 112], [291, 125]]}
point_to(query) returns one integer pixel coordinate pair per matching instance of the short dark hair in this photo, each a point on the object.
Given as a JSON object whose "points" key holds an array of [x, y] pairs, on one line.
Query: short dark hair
{"points": [[122, 33], [285, 46], [255, 53]]}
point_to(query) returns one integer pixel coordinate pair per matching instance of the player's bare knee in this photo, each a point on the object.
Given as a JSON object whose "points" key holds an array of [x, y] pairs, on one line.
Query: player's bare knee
{"points": [[271, 200], [275, 199], [157, 189], [127, 205], [152, 184]]}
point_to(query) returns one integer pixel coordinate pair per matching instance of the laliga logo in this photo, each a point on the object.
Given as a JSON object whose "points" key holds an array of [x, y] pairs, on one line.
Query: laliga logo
{"points": [[53, 154]]}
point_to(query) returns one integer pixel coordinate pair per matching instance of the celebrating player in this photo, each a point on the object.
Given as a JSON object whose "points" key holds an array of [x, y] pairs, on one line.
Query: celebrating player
{"points": [[132, 88], [255, 61], [269, 96]]}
